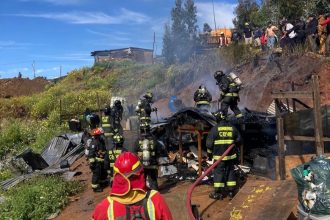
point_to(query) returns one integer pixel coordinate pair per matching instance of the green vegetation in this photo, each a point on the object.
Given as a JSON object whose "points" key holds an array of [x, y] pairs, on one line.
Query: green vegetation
{"points": [[37, 198]]}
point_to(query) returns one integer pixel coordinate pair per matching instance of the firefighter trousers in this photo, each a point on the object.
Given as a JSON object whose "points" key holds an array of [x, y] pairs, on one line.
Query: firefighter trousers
{"points": [[224, 175], [231, 102], [99, 174]]}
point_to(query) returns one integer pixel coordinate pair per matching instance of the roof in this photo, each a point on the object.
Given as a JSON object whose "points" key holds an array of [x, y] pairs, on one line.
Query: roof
{"points": [[105, 52]]}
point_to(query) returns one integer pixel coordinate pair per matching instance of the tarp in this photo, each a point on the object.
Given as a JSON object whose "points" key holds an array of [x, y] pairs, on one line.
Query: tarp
{"points": [[313, 183], [301, 123]]}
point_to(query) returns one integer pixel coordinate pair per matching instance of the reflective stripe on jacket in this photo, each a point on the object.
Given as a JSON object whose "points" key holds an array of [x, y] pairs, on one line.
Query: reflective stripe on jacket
{"points": [[149, 206]]}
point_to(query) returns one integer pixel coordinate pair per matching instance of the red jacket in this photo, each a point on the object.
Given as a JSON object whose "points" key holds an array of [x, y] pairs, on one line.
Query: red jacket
{"points": [[325, 22], [263, 39], [109, 209]]}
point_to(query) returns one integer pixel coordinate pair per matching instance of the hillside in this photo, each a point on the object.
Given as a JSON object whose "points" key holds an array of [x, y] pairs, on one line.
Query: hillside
{"points": [[21, 86]]}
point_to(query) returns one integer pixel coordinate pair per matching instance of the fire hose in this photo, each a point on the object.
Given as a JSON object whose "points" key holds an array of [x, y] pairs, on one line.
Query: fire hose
{"points": [[192, 187]]}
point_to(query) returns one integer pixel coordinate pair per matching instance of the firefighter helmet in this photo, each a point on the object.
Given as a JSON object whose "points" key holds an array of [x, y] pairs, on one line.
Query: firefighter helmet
{"points": [[117, 103], [97, 131], [148, 95], [218, 74], [107, 109], [128, 164]]}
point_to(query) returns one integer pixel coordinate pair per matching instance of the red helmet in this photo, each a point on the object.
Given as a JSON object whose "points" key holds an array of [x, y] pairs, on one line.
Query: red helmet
{"points": [[97, 131], [128, 164]]}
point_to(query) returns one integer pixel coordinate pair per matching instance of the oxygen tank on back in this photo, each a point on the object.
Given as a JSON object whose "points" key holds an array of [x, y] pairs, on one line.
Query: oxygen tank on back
{"points": [[235, 78]]}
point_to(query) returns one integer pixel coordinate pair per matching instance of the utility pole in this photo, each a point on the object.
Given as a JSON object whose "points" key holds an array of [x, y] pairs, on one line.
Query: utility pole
{"points": [[215, 23], [60, 71], [34, 69], [153, 48]]}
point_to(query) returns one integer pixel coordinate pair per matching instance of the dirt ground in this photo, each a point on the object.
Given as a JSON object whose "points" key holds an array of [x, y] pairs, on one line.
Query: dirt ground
{"points": [[82, 205], [21, 86]]}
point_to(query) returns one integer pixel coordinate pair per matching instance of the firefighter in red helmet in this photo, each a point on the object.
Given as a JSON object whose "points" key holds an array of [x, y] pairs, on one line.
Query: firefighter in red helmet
{"points": [[96, 155], [129, 197]]}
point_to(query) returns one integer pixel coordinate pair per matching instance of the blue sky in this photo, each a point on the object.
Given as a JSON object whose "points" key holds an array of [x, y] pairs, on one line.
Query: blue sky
{"points": [[62, 33]]}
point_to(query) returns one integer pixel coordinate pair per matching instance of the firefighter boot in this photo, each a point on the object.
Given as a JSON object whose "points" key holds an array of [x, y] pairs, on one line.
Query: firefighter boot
{"points": [[231, 193], [216, 194]]}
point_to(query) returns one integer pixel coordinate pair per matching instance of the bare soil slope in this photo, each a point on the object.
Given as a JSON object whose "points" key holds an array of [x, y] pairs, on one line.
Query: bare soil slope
{"points": [[262, 77], [21, 86]]}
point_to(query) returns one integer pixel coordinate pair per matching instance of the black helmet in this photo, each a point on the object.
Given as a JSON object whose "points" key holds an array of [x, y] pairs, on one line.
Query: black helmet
{"points": [[148, 95], [107, 110], [218, 74], [117, 103]]}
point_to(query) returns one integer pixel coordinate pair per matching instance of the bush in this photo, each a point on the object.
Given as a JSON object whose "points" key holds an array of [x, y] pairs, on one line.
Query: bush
{"points": [[17, 135], [37, 198]]}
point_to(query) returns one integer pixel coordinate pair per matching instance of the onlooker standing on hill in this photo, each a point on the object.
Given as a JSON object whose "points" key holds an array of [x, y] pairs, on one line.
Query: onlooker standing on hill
{"points": [[247, 34], [256, 37], [270, 35], [235, 36], [327, 23], [311, 32], [263, 40], [322, 32]]}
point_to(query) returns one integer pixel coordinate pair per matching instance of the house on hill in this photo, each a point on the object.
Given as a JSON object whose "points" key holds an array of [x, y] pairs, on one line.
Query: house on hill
{"points": [[130, 53]]}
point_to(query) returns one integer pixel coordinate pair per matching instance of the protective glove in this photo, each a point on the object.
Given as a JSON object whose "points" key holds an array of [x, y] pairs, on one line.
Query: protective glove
{"points": [[154, 109], [92, 163]]}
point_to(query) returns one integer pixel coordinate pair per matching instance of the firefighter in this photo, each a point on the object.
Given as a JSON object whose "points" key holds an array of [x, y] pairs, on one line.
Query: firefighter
{"points": [[96, 157], [114, 151], [106, 125], [116, 117], [229, 97], [129, 197], [143, 110], [221, 136], [202, 98], [148, 154]]}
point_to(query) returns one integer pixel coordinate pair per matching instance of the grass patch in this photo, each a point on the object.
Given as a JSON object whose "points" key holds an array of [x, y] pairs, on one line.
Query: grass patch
{"points": [[37, 198]]}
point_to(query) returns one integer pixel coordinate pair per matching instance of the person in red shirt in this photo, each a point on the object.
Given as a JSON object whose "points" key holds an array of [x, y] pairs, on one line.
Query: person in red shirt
{"points": [[129, 197]]}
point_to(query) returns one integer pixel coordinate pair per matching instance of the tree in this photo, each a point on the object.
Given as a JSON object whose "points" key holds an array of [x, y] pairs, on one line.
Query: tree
{"points": [[178, 30], [206, 28], [168, 52], [183, 34], [243, 12], [190, 18]]}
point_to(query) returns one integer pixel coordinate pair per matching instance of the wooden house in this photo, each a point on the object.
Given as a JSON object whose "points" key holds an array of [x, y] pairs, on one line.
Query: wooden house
{"points": [[130, 53]]}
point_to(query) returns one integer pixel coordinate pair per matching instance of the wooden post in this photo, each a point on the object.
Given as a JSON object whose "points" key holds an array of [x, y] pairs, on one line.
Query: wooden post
{"points": [[180, 146], [199, 141], [60, 111], [293, 101], [317, 116], [98, 105], [280, 141]]}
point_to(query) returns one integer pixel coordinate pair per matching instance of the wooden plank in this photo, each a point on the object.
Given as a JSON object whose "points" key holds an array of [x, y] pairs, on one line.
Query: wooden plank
{"points": [[199, 141], [271, 200], [281, 150], [317, 116], [303, 138], [292, 95]]}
